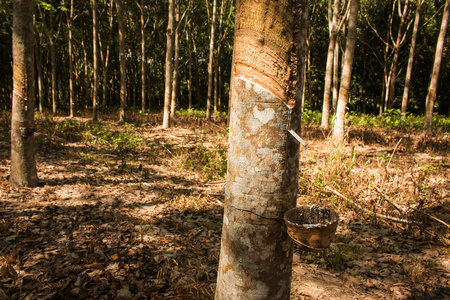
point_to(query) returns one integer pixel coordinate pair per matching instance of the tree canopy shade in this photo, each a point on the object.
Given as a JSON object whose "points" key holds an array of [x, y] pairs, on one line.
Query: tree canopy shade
{"points": [[23, 163]]}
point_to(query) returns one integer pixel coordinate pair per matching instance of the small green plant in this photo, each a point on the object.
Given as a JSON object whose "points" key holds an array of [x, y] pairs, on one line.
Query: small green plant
{"points": [[340, 254]]}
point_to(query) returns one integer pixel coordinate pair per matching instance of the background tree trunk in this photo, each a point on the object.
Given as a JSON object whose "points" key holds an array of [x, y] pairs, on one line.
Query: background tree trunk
{"points": [[70, 46], [173, 98], [333, 28], [168, 76], [431, 95], [23, 162], [411, 57], [256, 253], [95, 58], [338, 133], [211, 63], [302, 52], [143, 59], [122, 60]]}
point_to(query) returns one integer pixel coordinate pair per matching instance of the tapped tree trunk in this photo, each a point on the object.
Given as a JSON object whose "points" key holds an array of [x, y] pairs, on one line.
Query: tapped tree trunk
{"points": [[168, 75], [338, 133], [122, 60], [95, 59], [432, 88], [211, 63], [256, 252], [411, 57], [23, 162]]}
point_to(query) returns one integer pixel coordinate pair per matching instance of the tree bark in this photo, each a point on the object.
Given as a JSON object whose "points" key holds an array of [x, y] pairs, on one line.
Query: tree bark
{"points": [[95, 58], [173, 98], [432, 88], [211, 63], [338, 133], [143, 58], [302, 52], [23, 162], [333, 28], [122, 60], [105, 58], [168, 75], [411, 57], [397, 45], [53, 63], [336, 74], [71, 86], [190, 66], [39, 76], [256, 253]]}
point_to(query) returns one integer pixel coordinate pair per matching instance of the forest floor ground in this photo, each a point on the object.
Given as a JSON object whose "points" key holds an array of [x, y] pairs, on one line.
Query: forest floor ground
{"points": [[135, 212]]}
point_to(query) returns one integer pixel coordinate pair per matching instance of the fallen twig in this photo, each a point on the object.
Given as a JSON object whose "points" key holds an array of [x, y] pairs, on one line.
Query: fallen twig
{"points": [[365, 209], [436, 219], [393, 152]]}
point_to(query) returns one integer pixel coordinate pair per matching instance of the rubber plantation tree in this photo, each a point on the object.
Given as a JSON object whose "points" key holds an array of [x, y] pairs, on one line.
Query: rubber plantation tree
{"points": [[120, 6], [168, 70], [262, 175], [23, 162], [431, 95], [338, 130]]}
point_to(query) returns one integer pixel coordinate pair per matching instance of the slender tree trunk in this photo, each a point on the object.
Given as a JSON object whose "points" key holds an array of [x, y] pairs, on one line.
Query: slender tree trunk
{"points": [[302, 54], [211, 62], [143, 59], [23, 162], [432, 88], [333, 12], [411, 57], [169, 55], [71, 85], [338, 133], [173, 100], [95, 58], [122, 60], [190, 66], [336, 74], [105, 59], [53, 63], [39, 76], [256, 253]]}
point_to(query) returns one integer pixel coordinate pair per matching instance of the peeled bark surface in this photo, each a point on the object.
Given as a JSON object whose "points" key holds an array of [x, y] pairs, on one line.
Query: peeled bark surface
{"points": [[23, 163], [256, 252]]}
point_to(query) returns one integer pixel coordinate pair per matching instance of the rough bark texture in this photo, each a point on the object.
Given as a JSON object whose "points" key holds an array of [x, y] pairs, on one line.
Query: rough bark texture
{"points": [[23, 163], [123, 72], [432, 88], [302, 52], [256, 253], [338, 133], [168, 75], [71, 99]]}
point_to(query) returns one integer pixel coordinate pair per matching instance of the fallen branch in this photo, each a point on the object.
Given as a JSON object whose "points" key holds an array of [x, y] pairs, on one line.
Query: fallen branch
{"points": [[365, 209], [436, 219], [393, 152]]}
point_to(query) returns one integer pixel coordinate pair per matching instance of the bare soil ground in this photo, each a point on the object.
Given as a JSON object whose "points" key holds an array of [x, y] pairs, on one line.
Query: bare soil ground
{"points": [[137, 214]]}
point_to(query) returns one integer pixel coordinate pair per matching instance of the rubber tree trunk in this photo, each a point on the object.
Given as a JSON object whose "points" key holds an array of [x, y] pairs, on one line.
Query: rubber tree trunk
{"points": [[302, 52], [338, 130], [411, 57], [211, 62], [431, 95], [95, 58], [70, 46], [23, 162], [168, 74], [176, 63], [122, 60], [333, 28], [262, 176]]}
